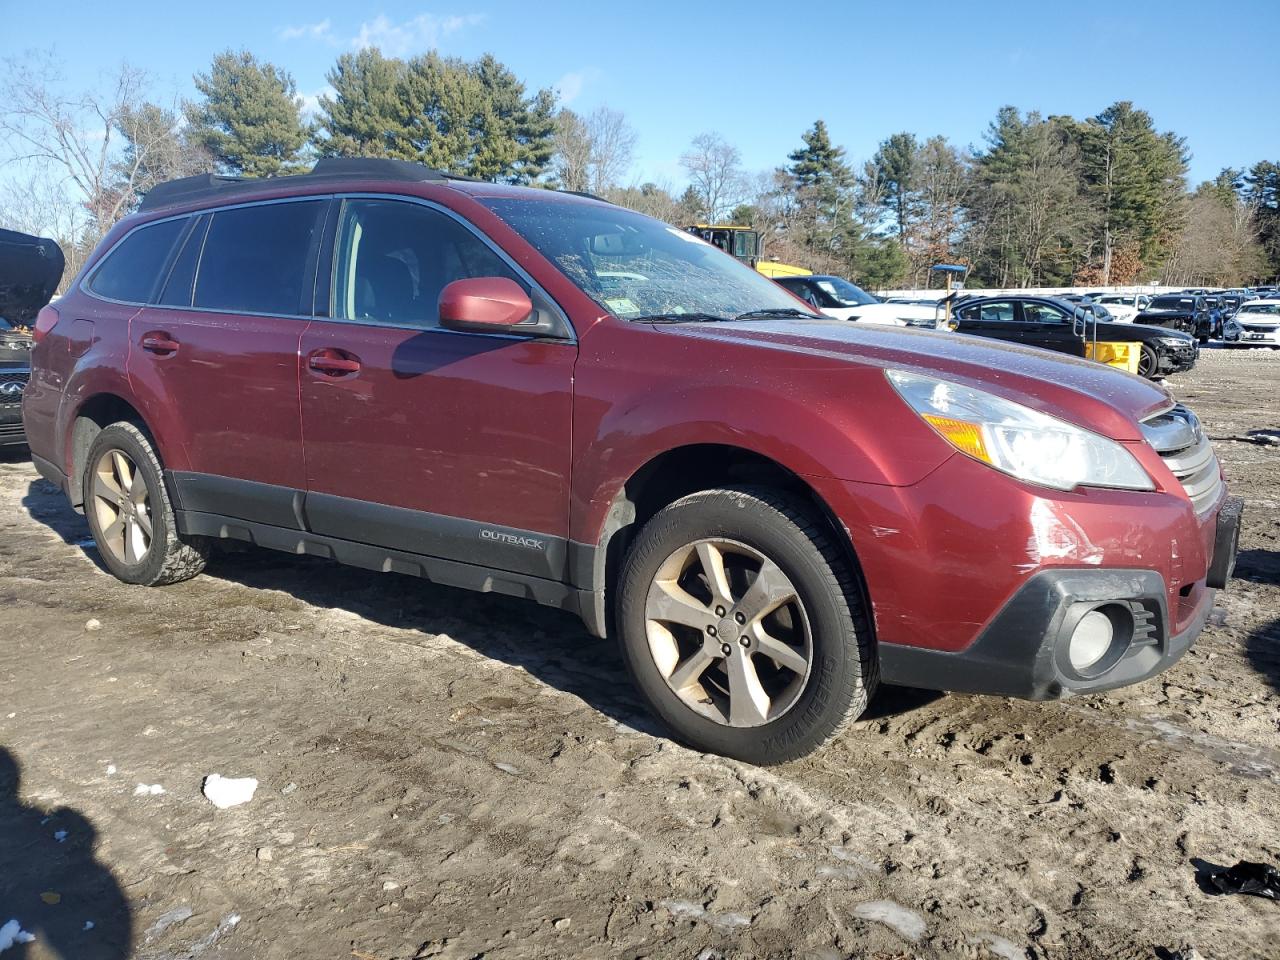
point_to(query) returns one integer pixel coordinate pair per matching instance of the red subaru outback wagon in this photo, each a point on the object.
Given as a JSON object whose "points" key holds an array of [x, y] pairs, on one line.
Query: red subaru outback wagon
{"points": [[546, 395]]}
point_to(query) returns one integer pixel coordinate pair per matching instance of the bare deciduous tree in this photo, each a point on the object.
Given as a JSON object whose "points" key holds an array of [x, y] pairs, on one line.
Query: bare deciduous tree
{"points": [[715, 173], [87, 157], [592, 153]]}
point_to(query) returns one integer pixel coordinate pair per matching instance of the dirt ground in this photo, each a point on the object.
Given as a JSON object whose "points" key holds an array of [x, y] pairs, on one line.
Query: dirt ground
{"points": [[451, 775]]}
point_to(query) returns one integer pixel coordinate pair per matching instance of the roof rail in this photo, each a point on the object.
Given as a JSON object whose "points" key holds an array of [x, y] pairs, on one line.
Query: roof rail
{"points": [[207, 185]]}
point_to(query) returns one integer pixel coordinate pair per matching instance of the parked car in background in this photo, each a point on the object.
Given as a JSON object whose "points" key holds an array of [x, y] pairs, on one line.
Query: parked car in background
{"points": [[838, 298], [549, 396], [1217, 315], [1122, 306], [30, 270], [1056, 324], [1179, 311], [1259, 323]]}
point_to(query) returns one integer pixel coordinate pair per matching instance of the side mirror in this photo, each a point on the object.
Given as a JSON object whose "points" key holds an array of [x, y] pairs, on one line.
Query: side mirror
{"points": [[485, 304]]}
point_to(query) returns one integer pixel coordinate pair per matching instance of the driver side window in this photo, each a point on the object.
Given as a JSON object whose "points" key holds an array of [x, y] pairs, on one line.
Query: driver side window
{"points": [[393, 258]]}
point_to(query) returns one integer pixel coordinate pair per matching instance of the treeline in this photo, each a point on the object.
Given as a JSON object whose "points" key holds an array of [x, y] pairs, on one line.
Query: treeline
{"points": [[1041, 201]]}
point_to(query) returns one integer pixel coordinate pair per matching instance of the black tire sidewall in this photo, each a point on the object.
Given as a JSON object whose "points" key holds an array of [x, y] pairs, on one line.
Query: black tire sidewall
{"points": [[116, 437], [837, 672], [1153, 362]]}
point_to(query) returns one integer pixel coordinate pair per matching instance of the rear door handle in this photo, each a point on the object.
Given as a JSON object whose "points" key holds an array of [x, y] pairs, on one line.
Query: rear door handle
{"points": [[333, 363], [160, 343]]}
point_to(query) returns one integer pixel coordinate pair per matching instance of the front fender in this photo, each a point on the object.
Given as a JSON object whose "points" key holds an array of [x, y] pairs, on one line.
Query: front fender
{"points": [[838, 421]]}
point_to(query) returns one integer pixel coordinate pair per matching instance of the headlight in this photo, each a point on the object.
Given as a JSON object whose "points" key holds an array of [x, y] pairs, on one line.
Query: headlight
{"points": [[1174, 341], [1017, 440]]}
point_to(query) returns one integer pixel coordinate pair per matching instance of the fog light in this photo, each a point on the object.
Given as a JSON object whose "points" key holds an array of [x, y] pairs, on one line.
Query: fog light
{"points": [[1090, 641]]}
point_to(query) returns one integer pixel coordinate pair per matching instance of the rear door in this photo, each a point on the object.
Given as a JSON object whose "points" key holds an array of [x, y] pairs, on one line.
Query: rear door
{"points": [[997, 319], [219, 351], [426, 440]]}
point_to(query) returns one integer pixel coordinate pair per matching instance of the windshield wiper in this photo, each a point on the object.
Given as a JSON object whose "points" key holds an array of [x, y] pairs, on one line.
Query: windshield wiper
{"points": [[680, 318], [775, 312]]}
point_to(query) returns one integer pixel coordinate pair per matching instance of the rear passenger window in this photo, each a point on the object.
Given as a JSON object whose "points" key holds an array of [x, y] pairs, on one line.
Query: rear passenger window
{"points": [[177, 289], [256, 258], [131, 270], [393, 258]]}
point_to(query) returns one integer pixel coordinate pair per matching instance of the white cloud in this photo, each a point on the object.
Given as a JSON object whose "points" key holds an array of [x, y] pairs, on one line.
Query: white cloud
{"points": [[422, 32], [310, 31], [311, 101], [571, 85]]}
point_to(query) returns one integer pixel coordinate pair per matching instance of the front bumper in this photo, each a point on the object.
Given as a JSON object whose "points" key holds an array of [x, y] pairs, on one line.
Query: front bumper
{"points": [[1023, 651]]}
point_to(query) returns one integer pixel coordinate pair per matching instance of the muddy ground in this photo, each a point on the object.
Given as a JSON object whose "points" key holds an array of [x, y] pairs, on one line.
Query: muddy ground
{"points": [[453, 775]]}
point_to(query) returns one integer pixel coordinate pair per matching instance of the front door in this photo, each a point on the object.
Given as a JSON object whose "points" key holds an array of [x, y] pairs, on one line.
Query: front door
{"points": [[1049, 326], [221, 349], [426, 440]]}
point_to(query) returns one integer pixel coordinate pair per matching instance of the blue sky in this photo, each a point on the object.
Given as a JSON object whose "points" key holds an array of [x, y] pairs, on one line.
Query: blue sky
{"points": [[746, 69]]}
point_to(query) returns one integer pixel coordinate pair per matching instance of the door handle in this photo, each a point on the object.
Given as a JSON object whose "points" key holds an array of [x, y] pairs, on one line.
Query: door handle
{"points": [[160, 343], [333, 363]]}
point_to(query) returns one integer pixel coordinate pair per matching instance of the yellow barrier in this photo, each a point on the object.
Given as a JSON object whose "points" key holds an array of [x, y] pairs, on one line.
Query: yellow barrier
{"points": [[1122, 355]]}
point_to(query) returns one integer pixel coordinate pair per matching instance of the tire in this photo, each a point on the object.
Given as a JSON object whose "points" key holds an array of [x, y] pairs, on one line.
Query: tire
{"points": [[112, 496], [827, 671], [1148, 363]]}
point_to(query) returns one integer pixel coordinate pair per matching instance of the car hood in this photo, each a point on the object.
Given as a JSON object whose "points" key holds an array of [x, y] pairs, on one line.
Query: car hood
{"points": [[30, 271], [1113, 332], [1092, 395]]}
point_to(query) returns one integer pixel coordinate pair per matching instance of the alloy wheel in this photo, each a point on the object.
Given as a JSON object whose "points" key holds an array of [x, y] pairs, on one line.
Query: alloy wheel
{"points": [[122, 507], [728, 632]]}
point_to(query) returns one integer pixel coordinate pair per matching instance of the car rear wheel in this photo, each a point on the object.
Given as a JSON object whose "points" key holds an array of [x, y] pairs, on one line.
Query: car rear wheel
{"points": [[129, 513], [743, 626]]}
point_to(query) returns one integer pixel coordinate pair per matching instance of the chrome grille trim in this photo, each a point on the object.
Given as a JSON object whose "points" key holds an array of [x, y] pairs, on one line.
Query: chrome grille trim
{"points": [[1177, 436]]}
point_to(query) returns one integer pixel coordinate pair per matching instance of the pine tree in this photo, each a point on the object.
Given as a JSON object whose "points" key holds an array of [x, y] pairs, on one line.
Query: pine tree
{"points": [[894, 165], [369, 114], [250, 116], [1260, 189], [514, 134], [818, 163], [1135, 178]]}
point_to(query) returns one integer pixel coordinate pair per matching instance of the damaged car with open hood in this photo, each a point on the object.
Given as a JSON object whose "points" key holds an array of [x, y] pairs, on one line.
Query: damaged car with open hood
{"points": [[30, 270]]}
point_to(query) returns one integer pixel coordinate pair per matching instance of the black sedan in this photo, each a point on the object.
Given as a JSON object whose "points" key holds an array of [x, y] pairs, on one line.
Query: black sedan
{"points": [[1059, 325]]}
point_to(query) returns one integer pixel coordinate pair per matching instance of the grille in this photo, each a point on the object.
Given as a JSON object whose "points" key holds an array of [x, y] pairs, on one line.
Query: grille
{"points": [[1178, 437], [10, 432], [9, 397]]}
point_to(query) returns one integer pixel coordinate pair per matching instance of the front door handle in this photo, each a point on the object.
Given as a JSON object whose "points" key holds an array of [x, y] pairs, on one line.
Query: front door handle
{"points": [[160, 343], [333, 363]]}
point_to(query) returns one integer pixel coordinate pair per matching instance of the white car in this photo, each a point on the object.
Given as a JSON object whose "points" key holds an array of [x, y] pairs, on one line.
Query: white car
{"points": [[1259, 323], [838, 298], [1123, 307]]}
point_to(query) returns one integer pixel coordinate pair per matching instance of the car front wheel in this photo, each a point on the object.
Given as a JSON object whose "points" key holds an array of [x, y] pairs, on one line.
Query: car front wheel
{"points": [[743, 626], [1148, 363]]}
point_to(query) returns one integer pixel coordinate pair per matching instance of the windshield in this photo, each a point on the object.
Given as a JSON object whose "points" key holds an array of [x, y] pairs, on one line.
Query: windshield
{"points": [[635, 266], [1268, 309], [845, 293]]}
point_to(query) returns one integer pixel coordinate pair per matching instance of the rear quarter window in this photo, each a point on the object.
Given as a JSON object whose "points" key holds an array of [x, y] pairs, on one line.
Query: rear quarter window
{"points": [[132, 268], [257, 259]]}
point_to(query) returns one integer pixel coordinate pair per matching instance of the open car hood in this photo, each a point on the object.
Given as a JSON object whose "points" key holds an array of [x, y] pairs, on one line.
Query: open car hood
{"points": [[30, 271]]}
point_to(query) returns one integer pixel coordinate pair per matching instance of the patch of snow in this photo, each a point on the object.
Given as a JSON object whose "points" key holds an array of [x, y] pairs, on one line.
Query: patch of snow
{"points": [[11, 934], [224, 792], [168, 919], [906, 923], [148, 790], [1002, 948]]}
